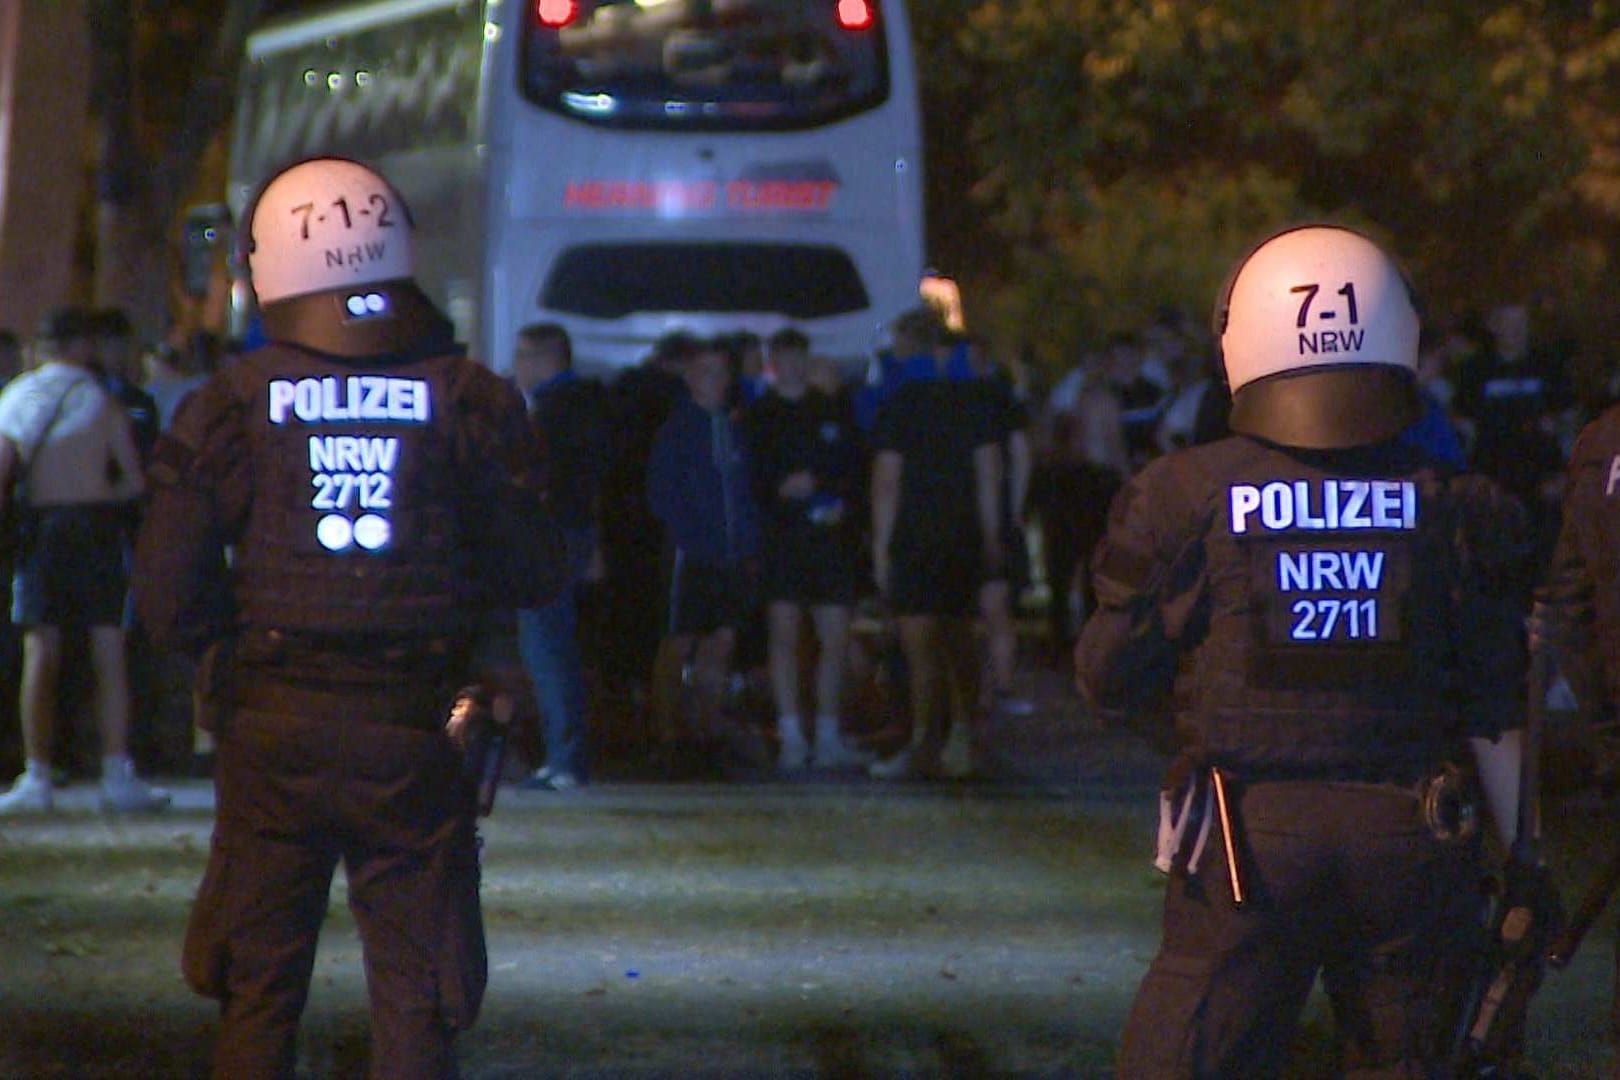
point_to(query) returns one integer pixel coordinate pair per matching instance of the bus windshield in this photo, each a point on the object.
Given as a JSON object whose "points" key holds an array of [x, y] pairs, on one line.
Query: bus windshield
{"points": [[705, 64]]}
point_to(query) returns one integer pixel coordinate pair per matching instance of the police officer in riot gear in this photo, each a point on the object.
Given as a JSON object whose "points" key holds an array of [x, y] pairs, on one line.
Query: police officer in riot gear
{"points": [[1323, 599], [1577, 614], [376, 492]]}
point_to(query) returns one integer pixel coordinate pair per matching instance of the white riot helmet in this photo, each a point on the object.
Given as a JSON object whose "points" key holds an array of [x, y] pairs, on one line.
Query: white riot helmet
{"points": [[328, 244], [1318, 332]]}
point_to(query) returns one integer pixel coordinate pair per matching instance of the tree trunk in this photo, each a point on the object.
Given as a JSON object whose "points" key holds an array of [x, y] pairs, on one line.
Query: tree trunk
{"points": [[43, 98], [139, 189]]}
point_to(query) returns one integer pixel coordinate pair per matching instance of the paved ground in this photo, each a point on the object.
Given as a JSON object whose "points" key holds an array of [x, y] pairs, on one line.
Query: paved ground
{"points": [[821, 927]]}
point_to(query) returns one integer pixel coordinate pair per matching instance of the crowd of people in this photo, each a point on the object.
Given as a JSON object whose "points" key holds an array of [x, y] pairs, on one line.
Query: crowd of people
{"points": [[737, 505], [79, 415], [735, 501]]}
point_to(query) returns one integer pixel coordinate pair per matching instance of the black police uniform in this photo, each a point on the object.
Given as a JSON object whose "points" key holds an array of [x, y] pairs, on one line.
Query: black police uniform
{"points": [[1331, 624], [1583, 582], [372, 509]]}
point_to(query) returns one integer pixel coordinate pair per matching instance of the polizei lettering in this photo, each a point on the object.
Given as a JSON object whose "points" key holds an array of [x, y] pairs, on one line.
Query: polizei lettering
{"points": [[355, 397], [1325, 505]]}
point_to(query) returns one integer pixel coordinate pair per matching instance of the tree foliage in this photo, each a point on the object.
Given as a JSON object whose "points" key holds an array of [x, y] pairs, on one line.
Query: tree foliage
{"points": [[1121, 153], [162, 90]]}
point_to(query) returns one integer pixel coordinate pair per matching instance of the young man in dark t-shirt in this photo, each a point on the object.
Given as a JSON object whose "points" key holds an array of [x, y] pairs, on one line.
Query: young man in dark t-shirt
{"points": [[805, 457], [1009, 415], [571, 417], [936, 502]]}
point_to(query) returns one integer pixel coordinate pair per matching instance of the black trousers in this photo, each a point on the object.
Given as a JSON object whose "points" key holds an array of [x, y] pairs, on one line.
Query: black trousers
{"points": [[1342, 880], [295, 797]]}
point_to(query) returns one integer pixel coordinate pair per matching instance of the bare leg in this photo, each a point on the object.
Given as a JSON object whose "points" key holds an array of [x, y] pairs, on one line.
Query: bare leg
{"points": [[832, 639], [1001, 637], [109, 663], [960, 687], [42, 667], [667, 686], [711, 665], [919, 640], [783, 649]]}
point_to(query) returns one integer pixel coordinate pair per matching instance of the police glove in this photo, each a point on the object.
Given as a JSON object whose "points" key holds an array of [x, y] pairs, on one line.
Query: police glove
{"points": [[477, 725]]}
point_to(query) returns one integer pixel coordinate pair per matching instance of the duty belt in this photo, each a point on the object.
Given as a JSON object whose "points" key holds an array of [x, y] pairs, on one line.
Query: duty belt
{"points": [[412, 705], [382, 648]]}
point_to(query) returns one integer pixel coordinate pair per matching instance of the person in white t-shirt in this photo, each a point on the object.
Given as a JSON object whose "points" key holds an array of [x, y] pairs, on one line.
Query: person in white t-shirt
{"points": [[73, 447]]}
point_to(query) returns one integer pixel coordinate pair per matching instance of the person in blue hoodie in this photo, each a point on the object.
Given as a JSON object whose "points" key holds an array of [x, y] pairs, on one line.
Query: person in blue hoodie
{"points": [[698, 487]]}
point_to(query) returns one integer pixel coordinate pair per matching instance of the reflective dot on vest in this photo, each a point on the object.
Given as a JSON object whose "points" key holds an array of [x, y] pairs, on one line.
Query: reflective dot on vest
{"points": [[371, 532], [334, 532]]}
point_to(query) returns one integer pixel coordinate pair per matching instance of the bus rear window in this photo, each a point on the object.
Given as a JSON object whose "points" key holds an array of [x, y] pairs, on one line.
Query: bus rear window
{"points": [[704, 64], [609, 281]]}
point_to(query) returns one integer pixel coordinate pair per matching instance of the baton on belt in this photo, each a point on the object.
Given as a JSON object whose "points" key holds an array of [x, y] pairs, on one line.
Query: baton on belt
{"points": [[1568, 942], [1218, 780], [1497, 1002]]}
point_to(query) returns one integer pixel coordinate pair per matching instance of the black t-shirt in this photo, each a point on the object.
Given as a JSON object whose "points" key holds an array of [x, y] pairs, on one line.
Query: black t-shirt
{"points": [[572, 418], [935, 427], [1008, 411], [1505, 398], [817, 434], [142, 410]]}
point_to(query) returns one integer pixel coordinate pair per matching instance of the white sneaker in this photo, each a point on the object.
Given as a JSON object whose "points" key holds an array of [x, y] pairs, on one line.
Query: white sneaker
{"points": [[837, 754], [793, 756], [894, 767], [539, 780], [909, 764], [1011, 705], [956, 760], [563, 781], [29, 795], [131, 795]]}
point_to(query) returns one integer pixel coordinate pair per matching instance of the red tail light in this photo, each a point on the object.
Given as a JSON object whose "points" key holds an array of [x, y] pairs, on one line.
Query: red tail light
{"points": [[556, 13], [854, 14]]}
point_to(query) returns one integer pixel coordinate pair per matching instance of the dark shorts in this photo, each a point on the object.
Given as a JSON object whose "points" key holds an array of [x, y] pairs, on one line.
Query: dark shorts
{"points": [[810, 567], [72, 570], [705, 597], [939, 574], [1014, 559]]}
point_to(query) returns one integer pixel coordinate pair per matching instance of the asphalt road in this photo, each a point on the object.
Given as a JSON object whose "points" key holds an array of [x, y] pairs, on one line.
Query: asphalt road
{"points": [[826, 927]]}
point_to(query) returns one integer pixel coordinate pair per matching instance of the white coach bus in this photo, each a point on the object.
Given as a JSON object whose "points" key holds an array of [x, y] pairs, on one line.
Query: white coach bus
{"points": [[623, 167]]}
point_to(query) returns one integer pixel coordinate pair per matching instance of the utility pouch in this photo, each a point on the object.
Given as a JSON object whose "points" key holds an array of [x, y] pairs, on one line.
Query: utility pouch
{"points": [[211, 688], [205, 955], [1185, 816], [463, 958], [478, 728]]}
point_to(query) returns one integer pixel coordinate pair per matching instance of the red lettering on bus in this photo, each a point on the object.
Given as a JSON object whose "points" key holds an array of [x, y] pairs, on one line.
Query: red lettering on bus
{"points": [[744, 196]]}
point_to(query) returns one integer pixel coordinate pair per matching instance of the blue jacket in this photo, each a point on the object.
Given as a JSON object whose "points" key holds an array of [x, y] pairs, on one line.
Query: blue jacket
{"points": [[1434, 432], [698, 486]]}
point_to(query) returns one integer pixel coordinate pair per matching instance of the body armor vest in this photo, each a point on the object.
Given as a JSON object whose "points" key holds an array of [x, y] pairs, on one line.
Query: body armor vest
{"points": [[1591, 538], [352, 532], [1329, 583]]}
